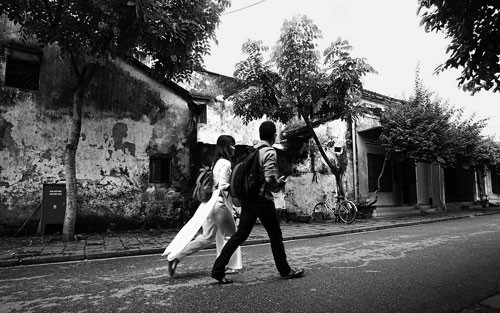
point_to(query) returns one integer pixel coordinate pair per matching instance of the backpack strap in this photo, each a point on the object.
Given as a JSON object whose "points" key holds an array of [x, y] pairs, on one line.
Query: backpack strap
{"points": [[261, 160]]}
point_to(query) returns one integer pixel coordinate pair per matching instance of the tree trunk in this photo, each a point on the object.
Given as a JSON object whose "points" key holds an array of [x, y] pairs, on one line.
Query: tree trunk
{"points": [[335, 171], [483, 196], [70, 166], [379, 178]]}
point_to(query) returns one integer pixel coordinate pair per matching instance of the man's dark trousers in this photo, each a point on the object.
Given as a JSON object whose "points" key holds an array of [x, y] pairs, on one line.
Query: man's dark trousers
{"points": [[251, 209]]}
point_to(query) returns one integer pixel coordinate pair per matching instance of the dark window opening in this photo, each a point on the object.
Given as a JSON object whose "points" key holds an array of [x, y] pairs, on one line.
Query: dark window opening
{"points": [[495, 180], [202, 117], [159, 169], [375, 163], [22, 69]]}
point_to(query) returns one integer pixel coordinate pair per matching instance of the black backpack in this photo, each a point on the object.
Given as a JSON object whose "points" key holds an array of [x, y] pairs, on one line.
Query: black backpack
{"points": [[204, 185], [247, 178]]}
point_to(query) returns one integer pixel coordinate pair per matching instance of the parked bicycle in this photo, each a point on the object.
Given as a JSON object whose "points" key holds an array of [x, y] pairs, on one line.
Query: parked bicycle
{"points": [[343, 209]]}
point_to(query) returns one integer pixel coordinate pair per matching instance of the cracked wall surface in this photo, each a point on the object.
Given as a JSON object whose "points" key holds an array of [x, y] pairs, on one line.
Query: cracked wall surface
{"points": [[311, 175], [127, 118]]}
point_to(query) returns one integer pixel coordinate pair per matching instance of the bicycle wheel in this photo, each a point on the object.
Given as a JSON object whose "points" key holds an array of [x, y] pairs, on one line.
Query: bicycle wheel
{"points": [[319, 212], [354, 210], [347, 211]]}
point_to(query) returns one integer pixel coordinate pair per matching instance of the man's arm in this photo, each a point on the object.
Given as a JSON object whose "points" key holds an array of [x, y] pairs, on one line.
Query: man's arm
{"points": [[270, 171], [275, 184]]}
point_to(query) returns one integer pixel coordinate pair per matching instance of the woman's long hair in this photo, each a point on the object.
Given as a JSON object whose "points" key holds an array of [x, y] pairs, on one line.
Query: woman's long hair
{"points": [[223, 148]]}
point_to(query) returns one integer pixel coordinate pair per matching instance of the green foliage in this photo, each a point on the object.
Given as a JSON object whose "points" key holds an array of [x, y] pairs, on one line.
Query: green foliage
{"points": [[11, 96], [415, 130], [345, 84], [126, 208], [465, 140], [165, 209], [426, 130], [474, 30], [300, 86], [296, 57], [260, 97], [175, 34], [487, 155]]}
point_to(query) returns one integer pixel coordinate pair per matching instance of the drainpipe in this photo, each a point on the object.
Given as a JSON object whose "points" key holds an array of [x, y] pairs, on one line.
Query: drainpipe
{"points": [[354, 159]]}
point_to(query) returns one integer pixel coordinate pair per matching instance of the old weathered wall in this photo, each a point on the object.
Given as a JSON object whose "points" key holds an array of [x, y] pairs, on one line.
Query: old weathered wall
{"points": [[220, 115], [128, 117], [311, 179], [221, 120], [204, 83]]}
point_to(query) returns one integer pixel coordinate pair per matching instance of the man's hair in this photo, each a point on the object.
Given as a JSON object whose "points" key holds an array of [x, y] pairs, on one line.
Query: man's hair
{"points": [[267, 130]]}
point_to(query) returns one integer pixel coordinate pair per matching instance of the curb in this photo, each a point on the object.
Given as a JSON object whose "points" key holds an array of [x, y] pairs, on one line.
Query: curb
{"points": [[375, 228], [88, 255]]}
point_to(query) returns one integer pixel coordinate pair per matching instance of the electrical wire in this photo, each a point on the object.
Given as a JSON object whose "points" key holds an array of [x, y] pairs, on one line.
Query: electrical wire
{"points": [[248, 6]]}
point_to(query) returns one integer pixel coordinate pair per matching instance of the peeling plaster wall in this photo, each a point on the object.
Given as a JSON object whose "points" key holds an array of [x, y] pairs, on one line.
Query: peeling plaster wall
{"points": [[222, 121], [209, 84], [170, 135], [331, 134], [302, 193], [38, 144], [367, 122], [35, 142], [110, 144], [114, 147]]}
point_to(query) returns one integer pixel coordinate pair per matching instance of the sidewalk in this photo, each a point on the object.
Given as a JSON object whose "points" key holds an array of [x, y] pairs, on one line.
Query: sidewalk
{"points": [[50, 249]]}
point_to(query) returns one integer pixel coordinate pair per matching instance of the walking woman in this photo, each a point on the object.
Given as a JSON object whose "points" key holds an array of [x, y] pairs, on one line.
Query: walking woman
{"points": [[214, 216]]}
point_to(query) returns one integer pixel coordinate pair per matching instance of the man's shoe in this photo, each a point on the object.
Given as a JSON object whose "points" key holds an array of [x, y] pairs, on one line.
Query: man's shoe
{"points": [[222, 280], [172, 266], [294, 273]]}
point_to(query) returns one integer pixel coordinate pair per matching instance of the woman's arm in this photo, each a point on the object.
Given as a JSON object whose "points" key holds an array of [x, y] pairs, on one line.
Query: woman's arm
{"points": [[225, 175]]}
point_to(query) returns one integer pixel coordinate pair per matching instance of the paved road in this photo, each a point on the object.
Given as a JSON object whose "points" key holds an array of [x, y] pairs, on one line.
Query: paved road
{"points": [[438, 267]]}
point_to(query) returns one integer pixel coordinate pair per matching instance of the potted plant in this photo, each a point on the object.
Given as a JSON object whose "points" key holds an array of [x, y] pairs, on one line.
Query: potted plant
{"points": [[365, 207], [302, 217]]}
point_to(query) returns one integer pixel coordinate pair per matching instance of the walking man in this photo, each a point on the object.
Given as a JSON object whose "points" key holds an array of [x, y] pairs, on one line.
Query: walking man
{"points": [[261, 207]]}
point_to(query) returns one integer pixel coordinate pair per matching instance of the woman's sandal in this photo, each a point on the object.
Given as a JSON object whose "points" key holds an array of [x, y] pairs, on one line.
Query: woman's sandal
{"points": [[172, 265], [230, 271]]}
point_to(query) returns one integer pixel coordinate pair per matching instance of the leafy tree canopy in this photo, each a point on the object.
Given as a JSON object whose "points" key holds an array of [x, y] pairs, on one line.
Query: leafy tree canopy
{"points": [[427, 130], [175, 34], [260, 95], [474, 30], [487, 155], [301, 86]]}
